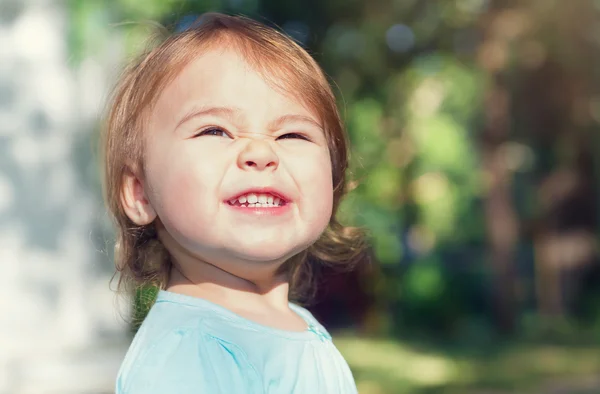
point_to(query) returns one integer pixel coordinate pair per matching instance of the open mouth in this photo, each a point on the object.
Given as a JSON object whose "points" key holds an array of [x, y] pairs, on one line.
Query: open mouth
{"points": [[258, 200]]}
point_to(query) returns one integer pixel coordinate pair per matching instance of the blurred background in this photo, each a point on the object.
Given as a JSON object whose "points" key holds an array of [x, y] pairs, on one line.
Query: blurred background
{"points": [[475, 168]]}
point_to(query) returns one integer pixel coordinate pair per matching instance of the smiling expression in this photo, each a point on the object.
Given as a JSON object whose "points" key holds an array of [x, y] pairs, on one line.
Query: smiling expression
{"points": [[219, 131]]}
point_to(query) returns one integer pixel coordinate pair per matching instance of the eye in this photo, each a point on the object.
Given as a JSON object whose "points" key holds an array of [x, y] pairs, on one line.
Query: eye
{"points": [[213, 131], [293, 136]]}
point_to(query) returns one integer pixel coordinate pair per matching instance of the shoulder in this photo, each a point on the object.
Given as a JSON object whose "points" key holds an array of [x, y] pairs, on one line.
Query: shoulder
{"points": [[185, 358], [310, 319]]}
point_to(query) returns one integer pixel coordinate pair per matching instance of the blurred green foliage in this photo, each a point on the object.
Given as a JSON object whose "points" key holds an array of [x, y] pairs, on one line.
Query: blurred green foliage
{"points": [[391, 367], [143, 299], [412, 92], [461, 114]]}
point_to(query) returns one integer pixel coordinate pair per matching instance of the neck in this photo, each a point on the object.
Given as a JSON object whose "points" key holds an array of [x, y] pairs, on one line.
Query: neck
{"points": [[229, 291], [236, 285]]}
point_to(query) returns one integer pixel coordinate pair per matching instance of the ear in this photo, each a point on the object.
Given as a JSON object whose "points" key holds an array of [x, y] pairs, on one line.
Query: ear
{"points": [[133, 199]]}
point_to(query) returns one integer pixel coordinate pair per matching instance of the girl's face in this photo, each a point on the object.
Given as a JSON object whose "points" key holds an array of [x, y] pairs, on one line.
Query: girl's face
{"points": [[220, 131]]}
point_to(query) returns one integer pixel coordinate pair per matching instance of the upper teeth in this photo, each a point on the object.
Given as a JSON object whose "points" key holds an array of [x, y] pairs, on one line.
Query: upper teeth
{"points": [[253, 198]]}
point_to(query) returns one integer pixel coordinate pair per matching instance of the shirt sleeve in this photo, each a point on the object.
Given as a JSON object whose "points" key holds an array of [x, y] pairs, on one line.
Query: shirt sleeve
{"points": [[191, 362]]}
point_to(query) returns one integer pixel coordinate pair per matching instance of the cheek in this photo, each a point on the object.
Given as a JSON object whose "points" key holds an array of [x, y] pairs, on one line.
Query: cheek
{"points": [[317, 189], [181, 192]]}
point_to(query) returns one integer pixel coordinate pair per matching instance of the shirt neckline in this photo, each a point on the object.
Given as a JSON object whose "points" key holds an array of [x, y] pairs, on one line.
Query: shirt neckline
{"points": [[310, 333]]}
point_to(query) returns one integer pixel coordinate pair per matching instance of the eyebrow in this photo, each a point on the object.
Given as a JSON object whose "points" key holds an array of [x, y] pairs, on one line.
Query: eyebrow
{"points": [[222, 112], [277, 123], [230, 113]]}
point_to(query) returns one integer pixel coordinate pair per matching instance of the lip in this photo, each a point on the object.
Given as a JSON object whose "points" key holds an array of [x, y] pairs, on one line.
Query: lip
{"points": [[261, 190], [261, 211]]}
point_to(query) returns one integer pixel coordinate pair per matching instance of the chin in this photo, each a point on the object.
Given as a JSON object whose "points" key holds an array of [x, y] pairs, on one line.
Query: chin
{"points": [[264, 253], [268, 250]]}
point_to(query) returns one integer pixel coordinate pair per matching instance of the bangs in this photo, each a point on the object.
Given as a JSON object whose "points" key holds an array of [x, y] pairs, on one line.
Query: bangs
{"points": [[282, 63]]}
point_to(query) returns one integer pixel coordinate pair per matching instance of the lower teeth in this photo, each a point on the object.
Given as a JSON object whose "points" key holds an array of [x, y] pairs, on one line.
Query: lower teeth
{"points": [[257, 205]]}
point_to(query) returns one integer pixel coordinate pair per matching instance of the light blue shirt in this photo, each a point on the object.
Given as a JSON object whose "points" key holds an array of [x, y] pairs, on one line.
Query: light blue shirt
{"points": [[188, 345]]}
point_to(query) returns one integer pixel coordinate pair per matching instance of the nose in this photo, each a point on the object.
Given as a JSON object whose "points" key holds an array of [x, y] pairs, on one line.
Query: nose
{"points": [[258, 155]]}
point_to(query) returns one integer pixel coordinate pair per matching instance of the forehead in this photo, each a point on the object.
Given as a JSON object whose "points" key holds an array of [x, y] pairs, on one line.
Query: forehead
{"points": [[224, 77]]}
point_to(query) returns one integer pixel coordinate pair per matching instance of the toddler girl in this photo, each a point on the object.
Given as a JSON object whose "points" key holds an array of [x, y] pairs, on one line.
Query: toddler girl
{"points": [[225, 162]]}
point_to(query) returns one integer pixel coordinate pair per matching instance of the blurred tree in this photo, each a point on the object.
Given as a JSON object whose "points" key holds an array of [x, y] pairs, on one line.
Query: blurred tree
{"points": [[474, 164], [501, 26], [559, 83]]}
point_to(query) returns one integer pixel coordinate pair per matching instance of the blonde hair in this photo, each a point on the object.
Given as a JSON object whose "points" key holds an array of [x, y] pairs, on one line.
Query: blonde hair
{"points": [[140, 257]]}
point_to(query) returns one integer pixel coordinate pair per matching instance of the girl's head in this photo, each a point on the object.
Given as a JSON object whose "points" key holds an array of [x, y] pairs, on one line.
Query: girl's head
{"points": [[226, 108]]}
